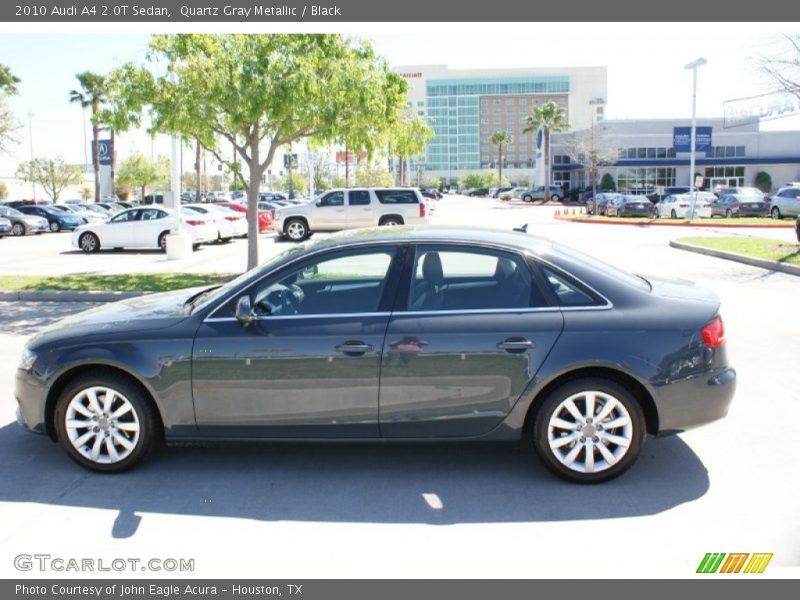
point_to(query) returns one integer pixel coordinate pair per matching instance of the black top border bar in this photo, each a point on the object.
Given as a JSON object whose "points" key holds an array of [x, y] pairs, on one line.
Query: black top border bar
{"points": [[443, 11]]}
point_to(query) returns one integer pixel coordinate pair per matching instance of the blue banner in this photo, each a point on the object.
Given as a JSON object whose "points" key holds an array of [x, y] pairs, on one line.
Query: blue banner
{"points": [[682, 139], [104, 155]]}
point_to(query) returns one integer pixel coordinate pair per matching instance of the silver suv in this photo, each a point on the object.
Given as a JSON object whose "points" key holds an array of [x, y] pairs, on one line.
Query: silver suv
{"points": [[537, 193], [786, 203], [351, 208]]}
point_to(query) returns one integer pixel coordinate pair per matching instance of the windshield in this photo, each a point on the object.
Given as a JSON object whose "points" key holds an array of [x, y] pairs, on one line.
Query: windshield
{"points": [[10, 212], [215, 293]]}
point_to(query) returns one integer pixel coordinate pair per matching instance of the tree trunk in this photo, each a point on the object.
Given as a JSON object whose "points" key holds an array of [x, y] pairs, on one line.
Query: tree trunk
{"points": [[346, 167], [197, 170], [291, 183], [256, 171], [546, 149], [96, 153], [113, 162], [499, 165]]}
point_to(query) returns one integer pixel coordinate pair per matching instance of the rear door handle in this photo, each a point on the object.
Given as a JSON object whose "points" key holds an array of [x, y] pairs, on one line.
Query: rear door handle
{"points": [[515, 345], [354, 348]]}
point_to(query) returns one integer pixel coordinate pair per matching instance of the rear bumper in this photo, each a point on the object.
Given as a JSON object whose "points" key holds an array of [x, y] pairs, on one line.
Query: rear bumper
{"points": [[695, 401]]}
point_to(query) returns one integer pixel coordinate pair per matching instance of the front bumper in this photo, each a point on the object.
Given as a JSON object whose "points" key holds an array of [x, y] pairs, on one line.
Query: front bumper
{"points": [[695, 401], [31, 397]]}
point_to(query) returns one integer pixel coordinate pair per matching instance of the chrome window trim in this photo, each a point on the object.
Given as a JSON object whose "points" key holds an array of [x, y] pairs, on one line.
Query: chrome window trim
{"points": [[312, 316]]}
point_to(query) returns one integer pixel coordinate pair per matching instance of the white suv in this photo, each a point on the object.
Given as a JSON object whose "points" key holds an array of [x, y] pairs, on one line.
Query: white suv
{"points": [[351, 208], [786, 203]]}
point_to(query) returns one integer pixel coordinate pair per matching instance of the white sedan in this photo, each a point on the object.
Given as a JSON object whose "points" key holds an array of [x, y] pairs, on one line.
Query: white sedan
{"points": [[142, 228], [229, 223], [679, 206]]}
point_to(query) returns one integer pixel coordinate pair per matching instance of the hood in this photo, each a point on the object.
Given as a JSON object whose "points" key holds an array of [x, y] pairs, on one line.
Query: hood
{"points": [[144, 313]]}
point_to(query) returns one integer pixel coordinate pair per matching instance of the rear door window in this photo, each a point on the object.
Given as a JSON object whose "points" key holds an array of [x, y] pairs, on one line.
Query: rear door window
{"points": [[358, 197], [396, 196]]}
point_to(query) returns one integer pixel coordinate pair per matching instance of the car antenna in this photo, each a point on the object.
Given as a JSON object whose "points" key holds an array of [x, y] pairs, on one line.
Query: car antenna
{"points": [[523, 229]]}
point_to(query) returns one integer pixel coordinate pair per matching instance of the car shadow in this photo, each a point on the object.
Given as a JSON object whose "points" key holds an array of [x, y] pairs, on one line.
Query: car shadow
{"points": [[28, 318], [354, 483]]}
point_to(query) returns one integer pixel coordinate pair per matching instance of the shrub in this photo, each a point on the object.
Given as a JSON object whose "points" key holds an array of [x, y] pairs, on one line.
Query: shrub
{"points": [[763, 181]]}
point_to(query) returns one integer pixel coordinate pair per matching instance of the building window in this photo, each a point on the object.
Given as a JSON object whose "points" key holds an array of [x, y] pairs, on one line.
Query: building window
{"points": [[561, 159], [421, 113], [510, 102], [420, 103], [484, 101], [496, 101]]}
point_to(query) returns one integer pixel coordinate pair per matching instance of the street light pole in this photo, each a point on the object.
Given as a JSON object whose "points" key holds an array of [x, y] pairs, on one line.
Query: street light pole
{"points": [[693, 144]]}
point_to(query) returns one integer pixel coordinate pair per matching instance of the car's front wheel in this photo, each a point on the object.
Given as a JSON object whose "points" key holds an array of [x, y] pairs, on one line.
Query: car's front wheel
{"points": [[89, 243], [589, 430], [775, 213], [55, 227], [105, 423], [18, 229]]}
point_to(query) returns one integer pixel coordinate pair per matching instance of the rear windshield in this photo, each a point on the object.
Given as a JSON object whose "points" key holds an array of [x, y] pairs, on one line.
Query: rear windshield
{"points": [[601, 267], [396, 196]]}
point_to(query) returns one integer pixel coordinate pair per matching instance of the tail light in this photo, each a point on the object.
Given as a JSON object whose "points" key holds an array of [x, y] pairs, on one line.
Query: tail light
{"points": [[232, 218], [713, 334], [421, 209], [193, 222], [683, 205]]}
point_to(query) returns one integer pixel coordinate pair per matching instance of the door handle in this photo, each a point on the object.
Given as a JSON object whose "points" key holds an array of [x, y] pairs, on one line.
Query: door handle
{"points": [[515, 345], [354, 348]]}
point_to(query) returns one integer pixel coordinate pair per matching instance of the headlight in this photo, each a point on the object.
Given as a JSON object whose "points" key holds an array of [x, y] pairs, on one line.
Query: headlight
{"points": [[27, 360]]}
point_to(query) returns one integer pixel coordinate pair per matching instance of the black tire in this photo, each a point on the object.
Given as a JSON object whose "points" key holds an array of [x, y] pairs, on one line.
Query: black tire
{"points": [[556, 198], [150, 430], [527, 198], [296, 229], [391, 222], [728, 213], [775, 213], [162, 241], [17, 229], [55, 227], [673, 214], [89, 242], [626, 458]]}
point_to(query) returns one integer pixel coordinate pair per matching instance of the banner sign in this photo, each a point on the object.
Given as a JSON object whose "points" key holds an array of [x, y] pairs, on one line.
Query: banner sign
{"points": [[350, 157], [766, 107], [104, 155], [682, 139], [286, 161]]}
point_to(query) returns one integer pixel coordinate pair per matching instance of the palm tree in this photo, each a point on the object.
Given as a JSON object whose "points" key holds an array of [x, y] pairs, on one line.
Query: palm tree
{"points": [[500, 138], [92, 94], [550, 117]]}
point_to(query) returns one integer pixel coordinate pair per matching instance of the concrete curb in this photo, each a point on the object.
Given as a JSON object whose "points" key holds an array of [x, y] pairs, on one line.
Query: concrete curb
{"points": [[665, 223], [67, 296], [741, 258]]}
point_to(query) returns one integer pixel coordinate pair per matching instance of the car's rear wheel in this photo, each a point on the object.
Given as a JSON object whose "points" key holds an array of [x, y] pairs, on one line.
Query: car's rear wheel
{"points": [[296, 230], [162, 241], [105, 423], [589, 430], [555, 198], [673, 214], [391, 222], [89, 243], [55, 227], [775, 213], [18, 229]]}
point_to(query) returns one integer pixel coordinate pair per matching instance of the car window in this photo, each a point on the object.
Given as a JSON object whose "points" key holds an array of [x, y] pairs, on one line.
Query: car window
{"points": [[567, 293], [396, 196], [332, 199], [351, 282], [151, 214], [125, 217], [447, 278], [358, 197]]}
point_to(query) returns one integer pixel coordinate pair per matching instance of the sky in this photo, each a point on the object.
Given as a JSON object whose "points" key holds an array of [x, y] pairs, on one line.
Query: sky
{"points": [[646, 75]]}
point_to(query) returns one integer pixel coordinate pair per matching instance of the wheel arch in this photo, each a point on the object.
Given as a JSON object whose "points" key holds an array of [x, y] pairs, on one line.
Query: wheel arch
{"points": [[384, 218], [626, 380], [70, 374]]}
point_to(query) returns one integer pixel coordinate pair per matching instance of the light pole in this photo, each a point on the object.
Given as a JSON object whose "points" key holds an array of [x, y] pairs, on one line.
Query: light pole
{"points": [[594, 103], [693, 66]]}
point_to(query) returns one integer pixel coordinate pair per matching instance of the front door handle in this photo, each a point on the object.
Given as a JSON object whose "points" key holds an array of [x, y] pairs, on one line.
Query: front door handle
{"points": [[515, 345], [354, 348]]}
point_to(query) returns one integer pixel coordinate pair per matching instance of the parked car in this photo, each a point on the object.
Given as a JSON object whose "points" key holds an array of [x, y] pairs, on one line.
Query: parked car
{"points": [[785, 203], [218, 196], [56, 219], [740, 205], [797, 228], [537, 193], [630, 206], [22, 224], [517, 191], [270, 196], [95, 208], [351, 208], [413, 334], [655, 197], [5, 226], [264, 216], [20, 203], [146, 227], [679, 206], [151, 199], [435, 194], [88, 215], [228, 222], [477, 192], [429, 194], [500, 191], [600, 206]]}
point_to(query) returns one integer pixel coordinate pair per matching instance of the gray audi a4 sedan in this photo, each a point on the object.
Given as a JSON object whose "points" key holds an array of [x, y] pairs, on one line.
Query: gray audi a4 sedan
{"points": [[393, 334]]}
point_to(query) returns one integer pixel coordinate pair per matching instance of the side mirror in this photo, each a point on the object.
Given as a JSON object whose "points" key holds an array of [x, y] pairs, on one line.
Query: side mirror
{"points": [[243, 312], [318, 203]]}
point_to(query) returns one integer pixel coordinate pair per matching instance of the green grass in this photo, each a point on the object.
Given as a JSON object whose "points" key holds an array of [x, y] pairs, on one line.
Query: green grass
{"points": [[710, 222], [131, 282], [777, 250]]}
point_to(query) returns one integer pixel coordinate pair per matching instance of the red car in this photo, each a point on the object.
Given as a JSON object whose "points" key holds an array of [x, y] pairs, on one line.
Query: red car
{"points": [[264, 216]]}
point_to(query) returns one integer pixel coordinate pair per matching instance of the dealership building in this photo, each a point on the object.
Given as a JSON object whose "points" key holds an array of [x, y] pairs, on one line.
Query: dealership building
{"points": [[655, 152]]}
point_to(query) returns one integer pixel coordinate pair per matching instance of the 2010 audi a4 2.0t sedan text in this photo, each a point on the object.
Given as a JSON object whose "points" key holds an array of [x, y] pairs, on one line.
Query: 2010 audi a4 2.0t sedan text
{"points": [[391, 334]]}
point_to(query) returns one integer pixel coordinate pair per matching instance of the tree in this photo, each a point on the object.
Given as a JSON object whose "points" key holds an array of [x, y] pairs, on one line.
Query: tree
{"points": [[484, 179], [8, 124], [784, 68], [92, 94], [257, 93], [86, 192], [53, 174], [500, 138], [373, 176], [593, 149], [763, 181], [3, 190], [551, 118], [406, 138], [189, 180], [298, 182], [607, 183], [139, 171]]}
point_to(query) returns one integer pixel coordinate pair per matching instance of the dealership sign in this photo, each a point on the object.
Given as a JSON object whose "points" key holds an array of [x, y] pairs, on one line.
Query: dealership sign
{"points": [[103, 151], [682, 139], [766, 107]]}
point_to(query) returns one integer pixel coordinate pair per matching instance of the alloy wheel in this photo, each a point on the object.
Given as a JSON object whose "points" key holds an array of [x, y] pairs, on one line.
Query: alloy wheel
{"points": [[55, 227], [296, 230], [18, 229]]}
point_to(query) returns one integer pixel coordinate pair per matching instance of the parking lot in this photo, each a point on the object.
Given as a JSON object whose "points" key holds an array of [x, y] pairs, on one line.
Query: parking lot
{"points": [[367, 511]]}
